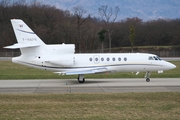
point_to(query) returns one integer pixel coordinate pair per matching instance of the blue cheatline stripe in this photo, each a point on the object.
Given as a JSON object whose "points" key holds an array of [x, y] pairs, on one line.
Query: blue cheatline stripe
{"points": [[25, 31], [85, 67]]}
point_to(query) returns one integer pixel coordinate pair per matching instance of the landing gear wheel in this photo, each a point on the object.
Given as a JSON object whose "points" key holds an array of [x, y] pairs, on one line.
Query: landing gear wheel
{"points": [[81, 78], [147, 79], [81, 81]]}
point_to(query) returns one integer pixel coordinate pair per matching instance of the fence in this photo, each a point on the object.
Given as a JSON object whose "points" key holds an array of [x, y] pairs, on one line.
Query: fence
{"points": [[159, 53], [9, 54]]}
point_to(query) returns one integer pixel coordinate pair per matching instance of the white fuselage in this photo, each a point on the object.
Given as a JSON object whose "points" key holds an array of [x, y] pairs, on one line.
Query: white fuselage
{"points": [[113, 62]]}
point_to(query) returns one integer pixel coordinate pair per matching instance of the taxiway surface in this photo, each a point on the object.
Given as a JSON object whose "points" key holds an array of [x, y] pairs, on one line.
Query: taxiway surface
{"points": [[90, 86]]}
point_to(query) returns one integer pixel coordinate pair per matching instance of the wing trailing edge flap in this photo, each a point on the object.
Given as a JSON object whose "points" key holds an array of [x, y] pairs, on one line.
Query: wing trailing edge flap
{"points": [[91, 71], [22, 45]]}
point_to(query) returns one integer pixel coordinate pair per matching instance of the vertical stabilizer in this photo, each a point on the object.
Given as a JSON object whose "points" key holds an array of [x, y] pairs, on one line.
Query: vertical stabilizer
{"points": [[24, 34], [28, 41]]}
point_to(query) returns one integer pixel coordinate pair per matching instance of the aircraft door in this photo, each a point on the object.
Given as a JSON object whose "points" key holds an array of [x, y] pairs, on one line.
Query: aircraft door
{"points": [[73, 60], [96, 59]]}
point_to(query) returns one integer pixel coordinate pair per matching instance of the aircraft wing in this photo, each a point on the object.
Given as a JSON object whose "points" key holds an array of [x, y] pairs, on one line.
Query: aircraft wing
{"points": [[21, 45], [90, 71]]}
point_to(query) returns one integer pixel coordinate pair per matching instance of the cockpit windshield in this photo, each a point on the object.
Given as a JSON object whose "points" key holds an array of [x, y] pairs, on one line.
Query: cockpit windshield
{"points": [[158, 58], [154, 58]]}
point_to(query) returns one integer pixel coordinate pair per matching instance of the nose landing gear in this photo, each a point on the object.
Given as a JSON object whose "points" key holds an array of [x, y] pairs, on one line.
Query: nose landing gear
{"points": [[147, 76]]}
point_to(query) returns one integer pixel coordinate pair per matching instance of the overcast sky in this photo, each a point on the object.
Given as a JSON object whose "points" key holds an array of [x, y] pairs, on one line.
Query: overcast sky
{"points": [[144, 9]]}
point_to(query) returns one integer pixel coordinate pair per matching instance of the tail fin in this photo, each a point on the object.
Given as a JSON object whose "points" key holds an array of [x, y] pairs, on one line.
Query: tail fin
{"points": [[28, 41]]}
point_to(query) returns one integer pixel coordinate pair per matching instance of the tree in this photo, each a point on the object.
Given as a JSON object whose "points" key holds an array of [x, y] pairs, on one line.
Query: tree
{"points": [[53, 25], [79, 12], [131, 36], [101, 38], [106, 16]]}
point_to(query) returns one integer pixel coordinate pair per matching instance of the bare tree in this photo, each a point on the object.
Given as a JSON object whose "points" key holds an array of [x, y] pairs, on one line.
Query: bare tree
{"points": [[131, 36], [5, 3], [108, 17], [79, 13]]}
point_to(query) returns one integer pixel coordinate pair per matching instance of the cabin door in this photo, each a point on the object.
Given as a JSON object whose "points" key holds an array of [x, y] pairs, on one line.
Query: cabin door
{"points": [[96, 59]]}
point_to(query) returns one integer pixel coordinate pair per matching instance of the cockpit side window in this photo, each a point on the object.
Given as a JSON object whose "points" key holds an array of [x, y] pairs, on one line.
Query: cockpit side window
{"points": [[150, 58]]}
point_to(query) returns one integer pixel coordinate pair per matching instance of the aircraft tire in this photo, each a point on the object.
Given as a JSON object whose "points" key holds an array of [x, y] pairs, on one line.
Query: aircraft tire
{"points": [[82, 80], [147, 79]]}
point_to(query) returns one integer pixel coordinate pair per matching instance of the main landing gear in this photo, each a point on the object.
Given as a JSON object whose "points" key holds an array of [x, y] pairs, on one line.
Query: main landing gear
{"points": [[147, 76], [81, 78]]}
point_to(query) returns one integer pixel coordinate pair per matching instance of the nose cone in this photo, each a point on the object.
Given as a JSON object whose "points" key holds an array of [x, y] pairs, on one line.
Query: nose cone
{"points": [[173, 66], [170, 65]]}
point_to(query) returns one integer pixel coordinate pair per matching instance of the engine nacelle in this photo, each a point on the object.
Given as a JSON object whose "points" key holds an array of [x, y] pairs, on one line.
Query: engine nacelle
{"points": [[62, 54], [61, 49], [64, 61]]}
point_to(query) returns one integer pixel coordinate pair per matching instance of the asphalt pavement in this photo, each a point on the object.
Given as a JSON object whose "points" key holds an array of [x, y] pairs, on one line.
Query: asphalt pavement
{"points": [[90, 86]]}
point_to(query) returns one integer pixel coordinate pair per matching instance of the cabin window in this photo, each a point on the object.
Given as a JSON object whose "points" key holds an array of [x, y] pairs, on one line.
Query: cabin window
{"points": [[125, 59], [150, 58], [119, 59], [108, 59], [96, 59], [102, 59], [113, 59], [90, 59]]}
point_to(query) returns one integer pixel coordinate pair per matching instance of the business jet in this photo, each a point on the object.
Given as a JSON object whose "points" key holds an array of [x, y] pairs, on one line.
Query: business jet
{"points": [[61, 58]]}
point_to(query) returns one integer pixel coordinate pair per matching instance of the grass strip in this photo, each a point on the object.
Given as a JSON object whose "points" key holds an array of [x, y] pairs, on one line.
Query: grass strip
{"points": [[143, 106]]}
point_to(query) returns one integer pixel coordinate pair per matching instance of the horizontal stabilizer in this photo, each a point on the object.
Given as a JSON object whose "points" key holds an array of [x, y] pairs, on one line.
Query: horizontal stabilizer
{"points": [[22, 45]]}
